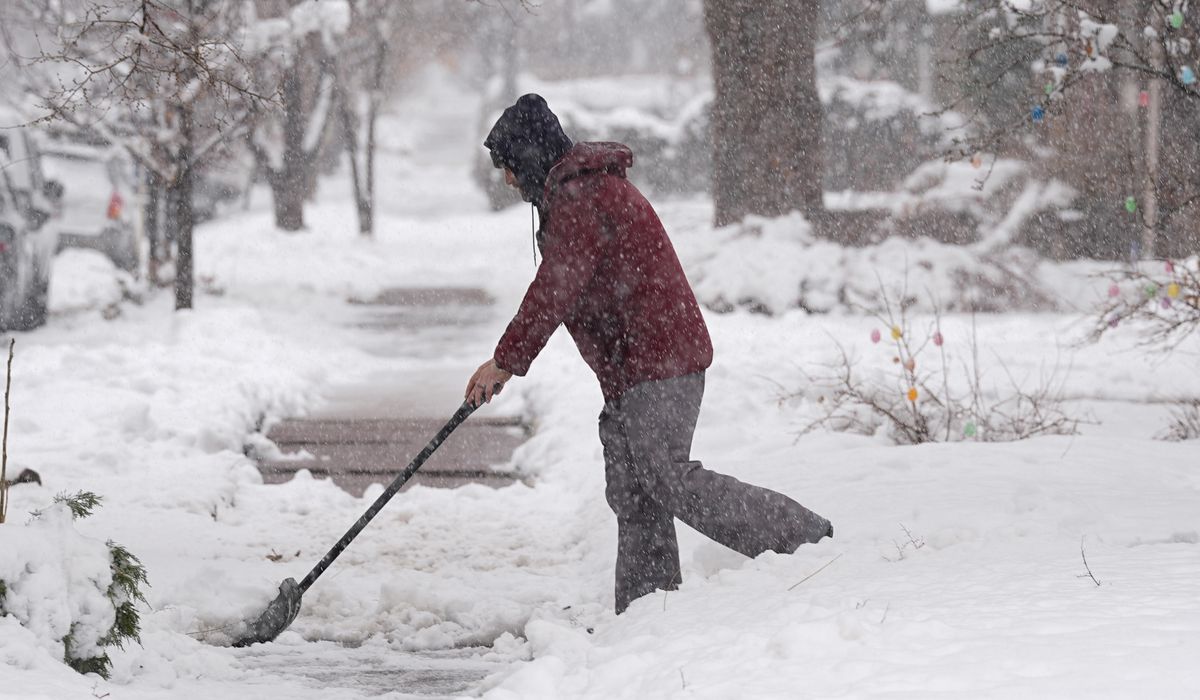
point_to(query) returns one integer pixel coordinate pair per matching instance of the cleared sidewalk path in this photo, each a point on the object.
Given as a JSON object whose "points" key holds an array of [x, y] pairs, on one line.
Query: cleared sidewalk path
{"points": [[369, 433]]}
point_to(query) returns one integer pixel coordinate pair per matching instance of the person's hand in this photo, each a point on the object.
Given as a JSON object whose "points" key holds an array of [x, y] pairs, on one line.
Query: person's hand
{"points": [[487, 381]]}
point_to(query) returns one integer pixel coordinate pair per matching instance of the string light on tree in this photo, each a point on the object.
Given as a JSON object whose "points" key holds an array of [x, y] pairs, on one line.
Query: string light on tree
{"points": [[1187, 75], [1038, 113], [1061, 59], [1143, 99], [1176, 20], [1131, 204]]}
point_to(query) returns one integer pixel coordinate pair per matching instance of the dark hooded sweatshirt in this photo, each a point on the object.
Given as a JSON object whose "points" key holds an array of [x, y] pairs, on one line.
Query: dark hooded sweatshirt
{"points": [[610, 275]]}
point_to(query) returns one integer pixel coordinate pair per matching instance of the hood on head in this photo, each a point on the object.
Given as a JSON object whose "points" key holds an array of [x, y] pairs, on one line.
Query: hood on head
{"points": [[528, 140], [592, 157]]}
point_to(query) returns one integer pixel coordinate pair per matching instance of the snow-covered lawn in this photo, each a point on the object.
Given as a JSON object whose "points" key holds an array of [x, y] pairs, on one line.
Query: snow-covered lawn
{"points": [[956, 570]]}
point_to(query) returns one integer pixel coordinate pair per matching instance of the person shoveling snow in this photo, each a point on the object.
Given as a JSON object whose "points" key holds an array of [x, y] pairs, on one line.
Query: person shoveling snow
{"points": [[611, 275]]}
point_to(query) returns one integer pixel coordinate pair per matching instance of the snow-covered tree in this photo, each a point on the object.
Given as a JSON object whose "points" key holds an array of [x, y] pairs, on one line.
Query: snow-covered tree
{"points": [[164, 79], [295, 44], [1103, 95], [361, 67]]}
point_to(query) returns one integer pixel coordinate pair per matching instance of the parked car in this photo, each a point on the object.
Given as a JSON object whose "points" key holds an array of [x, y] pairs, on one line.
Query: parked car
{"points": [[99, 198], [29, 206]]}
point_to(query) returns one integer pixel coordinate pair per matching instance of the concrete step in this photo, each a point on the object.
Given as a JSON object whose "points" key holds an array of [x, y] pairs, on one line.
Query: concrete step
{"points": [[356, 453]]}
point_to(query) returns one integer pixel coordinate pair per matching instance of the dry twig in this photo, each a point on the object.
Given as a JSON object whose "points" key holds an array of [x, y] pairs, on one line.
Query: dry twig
{"points": [[826, 566], [1085, 564], [4, 442]]}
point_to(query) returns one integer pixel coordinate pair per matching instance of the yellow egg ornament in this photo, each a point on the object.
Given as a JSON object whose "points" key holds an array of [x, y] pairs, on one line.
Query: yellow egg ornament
{"points": [[1173, 290], [896, 333], [912, 394]]}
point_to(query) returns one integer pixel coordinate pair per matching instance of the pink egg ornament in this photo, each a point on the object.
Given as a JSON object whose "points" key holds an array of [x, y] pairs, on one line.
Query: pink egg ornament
{"points": [[875, 336]]}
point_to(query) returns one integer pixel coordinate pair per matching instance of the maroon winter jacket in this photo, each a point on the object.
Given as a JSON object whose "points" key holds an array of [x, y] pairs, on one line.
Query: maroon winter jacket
{"points": [[610, 274]]}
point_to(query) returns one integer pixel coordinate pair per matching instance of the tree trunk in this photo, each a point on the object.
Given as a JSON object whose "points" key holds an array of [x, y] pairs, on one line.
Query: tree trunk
{"points": [[184, 218], [289, 204], [289, 186], [374, 98], [766, 115], [1152, 135], [350, 136], [367, 205], [152, 224]]}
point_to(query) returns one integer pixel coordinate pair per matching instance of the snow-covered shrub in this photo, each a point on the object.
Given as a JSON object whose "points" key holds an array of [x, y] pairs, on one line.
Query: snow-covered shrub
{"points": [[76, 594], [773, 265], [877, 132], [924, 397], [1161, 298]]}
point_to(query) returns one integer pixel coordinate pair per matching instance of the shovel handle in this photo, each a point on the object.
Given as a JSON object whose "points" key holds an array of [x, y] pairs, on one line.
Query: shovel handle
{"points": [[459, 416]]}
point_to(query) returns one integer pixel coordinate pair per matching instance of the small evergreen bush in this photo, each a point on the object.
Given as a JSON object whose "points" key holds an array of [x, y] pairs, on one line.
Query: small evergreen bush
{"points": [[84, 646]]}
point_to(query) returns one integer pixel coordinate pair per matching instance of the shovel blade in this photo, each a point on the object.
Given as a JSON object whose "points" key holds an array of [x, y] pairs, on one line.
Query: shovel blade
{"points": [[278, 616]]}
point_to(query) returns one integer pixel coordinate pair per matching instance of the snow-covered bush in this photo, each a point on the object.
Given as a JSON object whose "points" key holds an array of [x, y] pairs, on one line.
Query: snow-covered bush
{"points": [[773, 265], [76, 594], [877, 132], [925, 397], [1161, 298]]}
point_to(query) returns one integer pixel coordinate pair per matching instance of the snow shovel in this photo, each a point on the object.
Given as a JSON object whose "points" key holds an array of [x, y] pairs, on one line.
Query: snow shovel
{"points": [[283, 610]]}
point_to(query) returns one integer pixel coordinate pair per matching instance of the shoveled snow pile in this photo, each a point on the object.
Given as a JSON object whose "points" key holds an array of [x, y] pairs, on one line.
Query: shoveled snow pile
{"points": [[86, 279]]}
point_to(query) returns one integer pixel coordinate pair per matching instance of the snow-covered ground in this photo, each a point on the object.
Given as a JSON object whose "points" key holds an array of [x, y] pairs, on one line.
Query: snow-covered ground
{"points": [[956, 570]]}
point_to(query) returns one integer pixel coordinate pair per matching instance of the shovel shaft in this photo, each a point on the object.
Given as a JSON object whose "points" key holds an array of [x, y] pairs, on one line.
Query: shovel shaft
{"points": [[398, 483]]}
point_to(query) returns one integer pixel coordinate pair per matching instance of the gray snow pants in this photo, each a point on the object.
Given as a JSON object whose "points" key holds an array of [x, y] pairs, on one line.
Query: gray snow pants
{"points": [[647, 438]]}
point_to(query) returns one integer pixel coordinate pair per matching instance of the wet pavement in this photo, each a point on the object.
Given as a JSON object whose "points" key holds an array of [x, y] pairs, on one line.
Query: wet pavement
{"points": [[378, 670]]}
